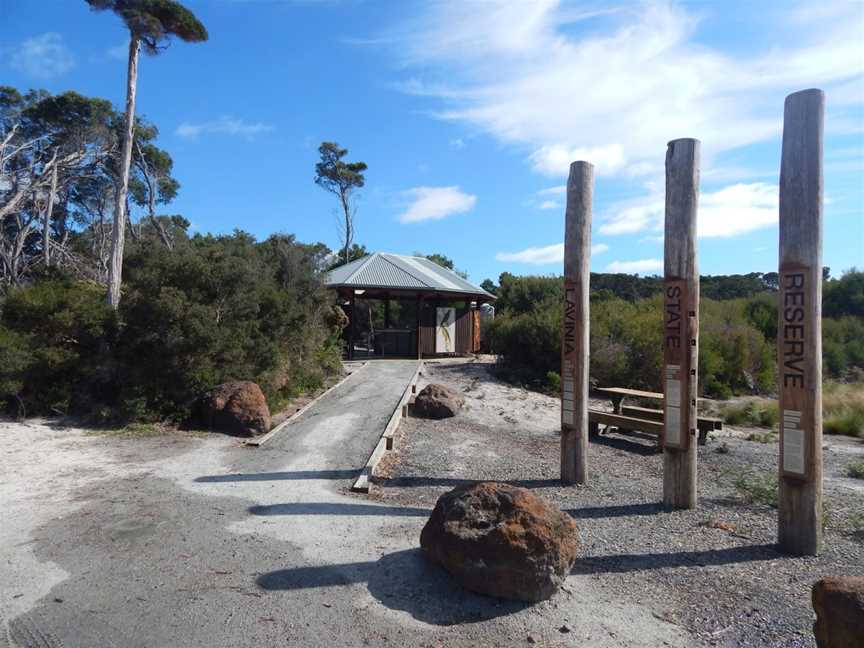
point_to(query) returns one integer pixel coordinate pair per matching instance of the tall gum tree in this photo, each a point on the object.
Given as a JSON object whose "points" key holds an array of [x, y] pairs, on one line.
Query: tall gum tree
{"points": [[151, 25], [341, 179]]}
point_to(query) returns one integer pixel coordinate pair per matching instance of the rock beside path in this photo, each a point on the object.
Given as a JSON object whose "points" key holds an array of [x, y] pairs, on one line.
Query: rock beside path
{"points": [[839, 606], [501, 540], [236, 408], [438, 401]]}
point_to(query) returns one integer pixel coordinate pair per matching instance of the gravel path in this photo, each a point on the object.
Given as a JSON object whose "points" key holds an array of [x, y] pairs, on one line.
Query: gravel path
{"points": [[713, 572]]}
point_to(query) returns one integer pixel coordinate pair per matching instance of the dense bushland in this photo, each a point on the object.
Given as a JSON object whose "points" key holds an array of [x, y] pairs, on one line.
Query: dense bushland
{"points": [[738, 330], [214, 308]]}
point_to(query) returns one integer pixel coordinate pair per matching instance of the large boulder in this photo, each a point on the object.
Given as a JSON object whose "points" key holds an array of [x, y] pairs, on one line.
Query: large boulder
{"points": [[237, 408], [437, 402], [501, 540], [839, 606]]}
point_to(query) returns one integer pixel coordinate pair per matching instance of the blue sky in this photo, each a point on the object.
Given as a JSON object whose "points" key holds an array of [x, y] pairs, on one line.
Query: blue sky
{"points": [[469, 113]]}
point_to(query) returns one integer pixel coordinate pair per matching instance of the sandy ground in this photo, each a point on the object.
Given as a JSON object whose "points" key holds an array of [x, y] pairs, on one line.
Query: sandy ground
{"points": [[713, 573], [195, 540]]}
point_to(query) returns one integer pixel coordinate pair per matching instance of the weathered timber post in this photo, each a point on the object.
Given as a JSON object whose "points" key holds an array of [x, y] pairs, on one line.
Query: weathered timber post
{"points": [[799, 335], [574, 337], [680, 325]]}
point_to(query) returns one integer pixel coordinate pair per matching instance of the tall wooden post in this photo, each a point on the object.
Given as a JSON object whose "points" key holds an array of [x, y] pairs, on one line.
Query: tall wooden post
{"points": [[419, 326], [574, 337], [680, 325], [799, 335]]}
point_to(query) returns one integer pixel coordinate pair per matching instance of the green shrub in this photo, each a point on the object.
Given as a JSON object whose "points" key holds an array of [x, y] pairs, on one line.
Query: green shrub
{"points": [[843, 409], [855, 470], [61, 331], [214, 309], [752, 413]]}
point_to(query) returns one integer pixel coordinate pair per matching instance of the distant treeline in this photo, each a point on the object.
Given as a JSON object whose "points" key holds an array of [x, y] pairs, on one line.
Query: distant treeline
{"points": [[738, 330]]}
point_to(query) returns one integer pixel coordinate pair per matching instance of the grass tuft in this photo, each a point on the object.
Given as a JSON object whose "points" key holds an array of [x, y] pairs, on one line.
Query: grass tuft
{"points": [[755, 488], [752, 413], [855, 470], [843, 409]]}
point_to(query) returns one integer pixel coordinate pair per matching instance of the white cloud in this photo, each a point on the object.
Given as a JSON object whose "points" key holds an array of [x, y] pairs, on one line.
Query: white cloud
{"points": [[457, 143], [555, 160], [728, 212], [553, 191], [435, 203], [616, 91], [548, 255], [43, 56], [643, 266], [549, 204], [223, 126]]}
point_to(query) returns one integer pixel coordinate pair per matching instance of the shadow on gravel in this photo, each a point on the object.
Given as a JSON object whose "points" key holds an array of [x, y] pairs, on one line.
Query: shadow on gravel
{"points": [[330, 508], [628, 443], [277, 476], [419, 482], [624, 510], [404, 581], [637, 562]]}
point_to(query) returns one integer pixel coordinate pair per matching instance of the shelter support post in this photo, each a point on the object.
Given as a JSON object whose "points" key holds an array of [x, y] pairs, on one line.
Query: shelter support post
{"points": [[799, 335], [680, 325], [574, 337], [351, 329]]}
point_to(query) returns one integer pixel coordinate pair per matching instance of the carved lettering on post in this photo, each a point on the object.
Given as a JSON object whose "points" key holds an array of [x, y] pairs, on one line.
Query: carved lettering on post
{"points": [[568, 360], [796, 393], [676, 364]]}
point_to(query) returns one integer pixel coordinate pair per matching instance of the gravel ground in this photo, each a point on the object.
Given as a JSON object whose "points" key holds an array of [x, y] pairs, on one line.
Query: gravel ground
{"points": [[714, 571]]}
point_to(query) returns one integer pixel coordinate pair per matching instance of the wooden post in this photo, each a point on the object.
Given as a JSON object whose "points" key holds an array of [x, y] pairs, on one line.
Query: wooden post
{"points": [[419, 326], [680, 325], [351, 329], [799, 335], [574, 337]]}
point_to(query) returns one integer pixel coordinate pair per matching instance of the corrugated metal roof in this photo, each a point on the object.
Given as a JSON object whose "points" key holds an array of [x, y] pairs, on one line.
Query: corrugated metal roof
{"points": [[381, 270]]}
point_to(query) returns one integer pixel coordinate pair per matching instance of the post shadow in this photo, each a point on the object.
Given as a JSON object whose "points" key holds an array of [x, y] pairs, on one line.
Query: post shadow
{"points": [[623, 510], [348, 473], [404, 581], [620, 563], [335, 508]]}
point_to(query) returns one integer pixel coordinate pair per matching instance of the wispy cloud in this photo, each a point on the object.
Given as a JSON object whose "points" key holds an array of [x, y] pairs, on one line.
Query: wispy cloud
{"points": [[726, 213], [118, 52], [223, 126], [43, 57], [616, 92], [435, 203], [642, 266], [457, 143], [549, 204], [548, 255]]}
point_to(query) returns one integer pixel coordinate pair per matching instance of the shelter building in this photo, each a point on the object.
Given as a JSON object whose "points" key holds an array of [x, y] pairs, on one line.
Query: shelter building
{"points": [[407, 306]]}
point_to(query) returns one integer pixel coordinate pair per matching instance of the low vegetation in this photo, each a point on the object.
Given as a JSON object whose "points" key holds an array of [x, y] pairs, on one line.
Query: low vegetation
{"points": [[755, 488], [855, 470], [212, 309], [738, 333]]}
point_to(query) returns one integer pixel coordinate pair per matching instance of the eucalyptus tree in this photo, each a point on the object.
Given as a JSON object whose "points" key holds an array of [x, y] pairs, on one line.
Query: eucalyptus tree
{"points": [[47, 145], [151, 25], [341, 179]]}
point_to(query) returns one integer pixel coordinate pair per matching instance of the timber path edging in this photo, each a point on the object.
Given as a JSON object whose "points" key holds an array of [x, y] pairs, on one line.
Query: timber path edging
{"points": [[385, 443], [261, 440]]}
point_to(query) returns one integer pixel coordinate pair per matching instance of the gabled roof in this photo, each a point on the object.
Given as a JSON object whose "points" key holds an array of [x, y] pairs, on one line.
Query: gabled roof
{"points": [[398, 272]]}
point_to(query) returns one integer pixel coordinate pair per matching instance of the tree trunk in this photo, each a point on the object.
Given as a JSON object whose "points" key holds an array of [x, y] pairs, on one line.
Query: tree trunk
{"points": [[46, 225], [115, 270]]}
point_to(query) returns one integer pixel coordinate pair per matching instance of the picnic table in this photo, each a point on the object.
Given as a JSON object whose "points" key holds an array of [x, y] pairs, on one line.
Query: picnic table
{"points": [[632, 417], [618, 394]]}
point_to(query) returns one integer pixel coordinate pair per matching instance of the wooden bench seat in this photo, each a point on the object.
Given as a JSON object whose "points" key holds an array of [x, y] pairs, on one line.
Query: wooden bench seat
{"points": [[705, 423], [648, 424]]}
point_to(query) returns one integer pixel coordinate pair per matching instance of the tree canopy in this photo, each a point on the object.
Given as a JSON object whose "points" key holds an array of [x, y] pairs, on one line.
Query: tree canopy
{"points": [[153, 22]]}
